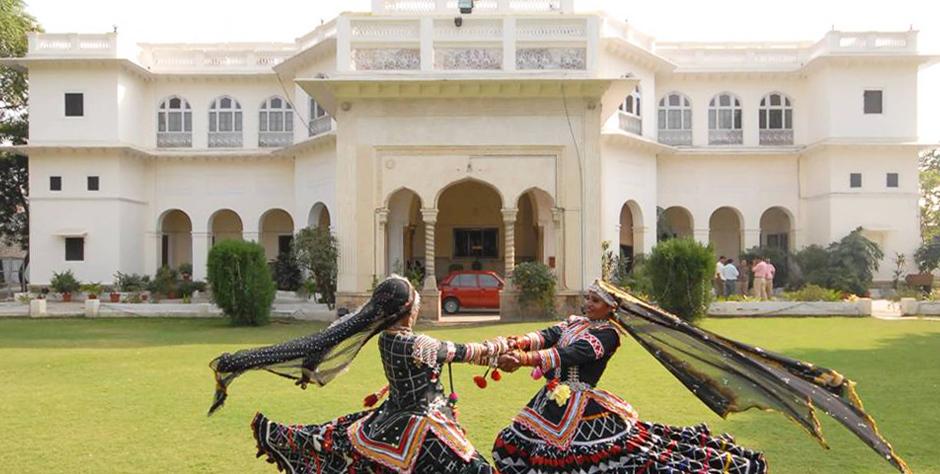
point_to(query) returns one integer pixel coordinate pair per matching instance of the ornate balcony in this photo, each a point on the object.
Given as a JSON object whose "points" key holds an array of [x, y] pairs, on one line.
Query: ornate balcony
{"points": [[321, 125], [225, 139], [275, 139], [630, 123], [776, 137], [725, 137], [174, 139], [675, 137]]}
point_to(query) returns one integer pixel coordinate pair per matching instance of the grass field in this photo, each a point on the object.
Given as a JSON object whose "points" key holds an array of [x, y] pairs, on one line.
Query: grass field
{"points": [[131, 395]]}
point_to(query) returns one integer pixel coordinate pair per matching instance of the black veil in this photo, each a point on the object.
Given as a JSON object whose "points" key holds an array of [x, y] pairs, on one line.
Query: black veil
{"points": [[730, 377], [321, 356]]}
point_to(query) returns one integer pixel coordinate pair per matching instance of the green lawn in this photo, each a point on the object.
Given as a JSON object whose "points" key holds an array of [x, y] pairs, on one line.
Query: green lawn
{"points": [[131, 395]]}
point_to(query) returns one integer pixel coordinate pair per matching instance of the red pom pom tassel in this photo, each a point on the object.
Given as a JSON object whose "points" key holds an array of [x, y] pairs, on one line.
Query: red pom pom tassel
{"points": [[370, 400], [480, 381], [496, 376]]}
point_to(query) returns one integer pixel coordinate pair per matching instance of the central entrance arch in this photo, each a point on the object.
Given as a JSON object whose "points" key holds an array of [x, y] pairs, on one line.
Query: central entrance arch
{"points": [[469, 233]]}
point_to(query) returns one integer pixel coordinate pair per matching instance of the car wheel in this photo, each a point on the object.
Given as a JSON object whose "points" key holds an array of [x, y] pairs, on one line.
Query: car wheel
{"points": [[451, 305]]}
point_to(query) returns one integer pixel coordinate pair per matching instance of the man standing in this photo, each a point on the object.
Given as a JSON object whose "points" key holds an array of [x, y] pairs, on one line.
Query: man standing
{"points": [[744, 274], [716, 282], [771, 272], [760, 278], [729, 277]]}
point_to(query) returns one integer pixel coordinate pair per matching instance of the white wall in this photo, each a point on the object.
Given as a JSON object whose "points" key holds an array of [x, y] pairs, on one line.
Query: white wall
{"points": [[47, 121], [628, 174]]}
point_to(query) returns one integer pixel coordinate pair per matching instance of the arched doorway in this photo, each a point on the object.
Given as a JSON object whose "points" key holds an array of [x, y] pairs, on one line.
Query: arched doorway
{"points": [[176, 238], [277, 232], [674, 222], [776, 229], [405, 234], [319, 216], [534, 231], [225, 225], [631, 232], [724, 232], [469, 233]]}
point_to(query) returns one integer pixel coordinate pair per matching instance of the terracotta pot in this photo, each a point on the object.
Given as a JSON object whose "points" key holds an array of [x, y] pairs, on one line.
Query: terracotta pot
{"points": [[66, 297], [92, 297], [115, 297]]}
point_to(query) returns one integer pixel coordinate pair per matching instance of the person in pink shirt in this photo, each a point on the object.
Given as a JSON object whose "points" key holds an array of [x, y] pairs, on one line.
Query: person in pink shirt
{"points": [[761, 270], [771, 272]]}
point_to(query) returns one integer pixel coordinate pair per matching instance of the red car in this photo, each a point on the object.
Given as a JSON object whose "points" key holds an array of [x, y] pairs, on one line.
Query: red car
{"points": [[470, 289]]}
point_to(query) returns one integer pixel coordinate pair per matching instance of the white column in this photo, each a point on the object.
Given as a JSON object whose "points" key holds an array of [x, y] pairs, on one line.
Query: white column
{"points": [[426, 34], [509, 226], [381, 241], [558, 215], [200, 254], [430, 221], [701, 236], [343, 45]]}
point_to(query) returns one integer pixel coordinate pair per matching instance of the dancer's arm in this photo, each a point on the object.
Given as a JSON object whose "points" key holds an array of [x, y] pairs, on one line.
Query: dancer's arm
{"points": [[434, 352], [591, 346]]}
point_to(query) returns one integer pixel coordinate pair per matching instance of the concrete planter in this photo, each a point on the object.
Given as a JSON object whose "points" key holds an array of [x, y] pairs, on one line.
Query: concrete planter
{"points": [[37, 308], [92, 307], [911, 307], [860, 307]]}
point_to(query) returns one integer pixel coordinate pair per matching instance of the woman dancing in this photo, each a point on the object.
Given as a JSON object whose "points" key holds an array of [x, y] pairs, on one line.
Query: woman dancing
{"points": [[414, 430], [572, 426]]}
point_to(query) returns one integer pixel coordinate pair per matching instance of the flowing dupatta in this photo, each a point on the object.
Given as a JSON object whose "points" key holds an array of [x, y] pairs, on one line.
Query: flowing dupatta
{"points": [[321, 356], [730, 377]]}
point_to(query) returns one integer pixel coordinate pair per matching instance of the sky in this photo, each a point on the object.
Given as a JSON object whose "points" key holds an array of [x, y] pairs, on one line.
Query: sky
{"points": [[668, 20]]}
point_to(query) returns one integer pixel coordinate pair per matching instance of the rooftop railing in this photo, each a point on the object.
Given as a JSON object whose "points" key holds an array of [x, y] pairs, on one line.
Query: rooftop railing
{"points": [[411, 7], [73, 44]]}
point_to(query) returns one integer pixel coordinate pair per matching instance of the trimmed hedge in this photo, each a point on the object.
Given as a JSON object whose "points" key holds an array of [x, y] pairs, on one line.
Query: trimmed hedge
{"points": [[241, 282], [681, 272]]}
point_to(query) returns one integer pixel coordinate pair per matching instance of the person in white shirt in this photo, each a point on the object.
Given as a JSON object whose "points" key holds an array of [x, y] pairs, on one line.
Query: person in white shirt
{"points": [[729, 276], [717, 281]]}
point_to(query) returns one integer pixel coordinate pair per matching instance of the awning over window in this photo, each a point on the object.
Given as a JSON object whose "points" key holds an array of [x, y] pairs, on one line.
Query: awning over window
{"points": [[70, 233]]}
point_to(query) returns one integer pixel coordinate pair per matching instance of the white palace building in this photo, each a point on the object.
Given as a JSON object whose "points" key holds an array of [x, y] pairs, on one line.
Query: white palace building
{"points": [[521, 131]]}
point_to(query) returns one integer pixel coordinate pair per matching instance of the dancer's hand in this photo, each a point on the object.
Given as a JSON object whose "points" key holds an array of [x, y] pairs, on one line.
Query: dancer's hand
{"points": [[508, 363]]}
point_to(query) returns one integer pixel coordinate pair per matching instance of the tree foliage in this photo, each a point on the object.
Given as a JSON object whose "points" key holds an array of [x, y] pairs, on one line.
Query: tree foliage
{"points": [[847, 265], [536, 285], [15, 23], [318, 253], [930, 195]]}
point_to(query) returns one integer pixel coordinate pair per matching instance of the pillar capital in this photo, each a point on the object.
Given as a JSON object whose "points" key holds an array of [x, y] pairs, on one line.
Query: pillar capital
{"points": [[382, 215], [509, 214], [557, 214], [429, 215]]}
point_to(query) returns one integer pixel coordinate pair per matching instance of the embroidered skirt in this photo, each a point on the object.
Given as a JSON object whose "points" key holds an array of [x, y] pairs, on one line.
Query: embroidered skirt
{"points": [[608, 443], [326, 449]]}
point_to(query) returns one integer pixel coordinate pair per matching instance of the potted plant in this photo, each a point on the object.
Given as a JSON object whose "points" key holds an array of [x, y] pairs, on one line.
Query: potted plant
{"points": [[186, 271], [92, 290], [65, 283], [130, 283], [927, 258]]}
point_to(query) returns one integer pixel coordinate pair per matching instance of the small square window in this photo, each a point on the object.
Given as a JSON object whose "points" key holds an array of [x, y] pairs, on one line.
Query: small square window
{"points": [[74, 104], [55, 183], [873, 101], [855, 180], [892, 180], [93, 183], [74, 249]]}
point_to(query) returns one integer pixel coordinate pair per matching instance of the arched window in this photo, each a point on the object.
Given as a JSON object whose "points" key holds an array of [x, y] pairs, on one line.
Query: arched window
{"points": [[724, 120], [630, 120], [675, 119], [174, 123], [320, 121], [225, 123], [275, 123], [776, 120]]}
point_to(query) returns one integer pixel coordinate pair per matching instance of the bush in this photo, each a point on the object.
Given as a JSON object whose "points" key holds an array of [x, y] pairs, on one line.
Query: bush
{"points": [[287, 274], [637, 280], [927, 256], [317, 252], [847, 265], [92, 290], [681, 272], [241, 282], [165, 282], [536, 285], [64, 282], [812, 293], [185, 270], [131, 282]]}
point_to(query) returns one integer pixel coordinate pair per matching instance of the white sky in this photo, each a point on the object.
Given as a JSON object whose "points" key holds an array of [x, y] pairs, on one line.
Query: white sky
{"points": [[670, 20]]}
